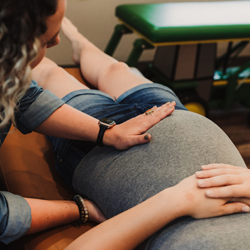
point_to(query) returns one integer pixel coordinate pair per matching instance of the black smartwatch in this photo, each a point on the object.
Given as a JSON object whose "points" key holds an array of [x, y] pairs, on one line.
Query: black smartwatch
{"points": [[104, 124]]}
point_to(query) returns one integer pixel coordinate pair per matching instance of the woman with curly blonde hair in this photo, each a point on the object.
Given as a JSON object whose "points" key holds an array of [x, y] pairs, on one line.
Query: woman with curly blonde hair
{"points": [[27, 28]]}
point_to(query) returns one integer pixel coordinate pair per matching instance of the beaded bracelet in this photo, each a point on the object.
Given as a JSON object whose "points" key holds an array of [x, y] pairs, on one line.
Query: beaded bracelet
{"points": [[84, 213]]}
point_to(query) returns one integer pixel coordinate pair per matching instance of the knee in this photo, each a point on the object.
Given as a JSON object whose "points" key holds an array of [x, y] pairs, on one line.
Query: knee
{"points": [[116, 68], [55, 70], [46, 69], [49, 73]]}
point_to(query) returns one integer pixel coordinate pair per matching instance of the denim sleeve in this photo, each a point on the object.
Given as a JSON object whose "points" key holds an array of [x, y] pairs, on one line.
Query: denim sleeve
{"points": [[15, 217], [35, 107]]}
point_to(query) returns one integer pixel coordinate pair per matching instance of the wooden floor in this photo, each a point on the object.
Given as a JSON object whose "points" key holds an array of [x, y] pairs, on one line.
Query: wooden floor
{"points": [[234, 124]]}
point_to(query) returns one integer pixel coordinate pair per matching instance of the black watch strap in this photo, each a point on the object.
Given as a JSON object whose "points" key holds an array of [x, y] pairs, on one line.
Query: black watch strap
{"points": [[102, 130]]}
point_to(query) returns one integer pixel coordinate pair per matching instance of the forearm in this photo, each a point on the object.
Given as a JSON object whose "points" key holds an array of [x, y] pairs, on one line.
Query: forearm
{"points": [[70, 123], [127, 230], [46, 214], [67, 122]]}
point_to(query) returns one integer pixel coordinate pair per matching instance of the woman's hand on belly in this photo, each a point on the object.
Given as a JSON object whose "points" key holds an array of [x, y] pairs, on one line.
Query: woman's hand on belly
{"points": [[131, 132], [225, 181], [195, 202]]}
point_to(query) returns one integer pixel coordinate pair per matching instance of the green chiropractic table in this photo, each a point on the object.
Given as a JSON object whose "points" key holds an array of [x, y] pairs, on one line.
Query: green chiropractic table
{"points": [[185, 36]]}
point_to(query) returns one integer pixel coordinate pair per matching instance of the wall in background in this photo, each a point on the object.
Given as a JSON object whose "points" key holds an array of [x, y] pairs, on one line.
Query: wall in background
{"points": [[96, 20]]}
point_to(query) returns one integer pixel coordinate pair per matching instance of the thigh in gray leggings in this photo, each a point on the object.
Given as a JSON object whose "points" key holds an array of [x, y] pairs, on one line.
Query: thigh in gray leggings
{"points": [[181, 143]]}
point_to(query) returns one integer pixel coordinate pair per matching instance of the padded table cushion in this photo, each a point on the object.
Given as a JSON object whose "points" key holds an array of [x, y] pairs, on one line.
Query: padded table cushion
{"points": [[192, 21]]}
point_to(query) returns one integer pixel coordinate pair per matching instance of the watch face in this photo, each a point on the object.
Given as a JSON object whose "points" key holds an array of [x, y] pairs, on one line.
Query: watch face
{"points": [[107, 122]]}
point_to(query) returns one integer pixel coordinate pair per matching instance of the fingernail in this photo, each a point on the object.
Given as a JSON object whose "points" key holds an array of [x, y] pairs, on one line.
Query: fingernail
{"points": [[246, 209], [199, 173], [146, 137], [204, 166], [209, 193], [167, 103], [201, 183], [173, 102]]}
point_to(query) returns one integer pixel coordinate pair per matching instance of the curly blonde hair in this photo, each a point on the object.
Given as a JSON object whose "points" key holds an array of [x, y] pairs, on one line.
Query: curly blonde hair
{"points": [[21, 23]]}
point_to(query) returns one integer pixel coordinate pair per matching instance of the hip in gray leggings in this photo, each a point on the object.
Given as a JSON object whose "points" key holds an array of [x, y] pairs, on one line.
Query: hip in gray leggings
{"points": [[181, 143]]}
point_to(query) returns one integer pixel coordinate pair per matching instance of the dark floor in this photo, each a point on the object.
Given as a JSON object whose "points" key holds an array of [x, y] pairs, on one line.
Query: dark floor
{"points": [[234, 124]]}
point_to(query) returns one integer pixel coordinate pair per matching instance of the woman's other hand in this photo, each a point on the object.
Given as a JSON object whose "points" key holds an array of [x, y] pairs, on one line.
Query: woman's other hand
{"points": [[225, 181], [196, 204], [131, 132]]}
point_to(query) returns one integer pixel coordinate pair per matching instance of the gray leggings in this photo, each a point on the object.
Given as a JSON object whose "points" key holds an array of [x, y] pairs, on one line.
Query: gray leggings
{"points": [[181, 143]]}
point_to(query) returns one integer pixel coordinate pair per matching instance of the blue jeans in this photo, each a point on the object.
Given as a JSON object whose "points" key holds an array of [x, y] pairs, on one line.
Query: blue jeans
{"points": [[98, 104]]}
